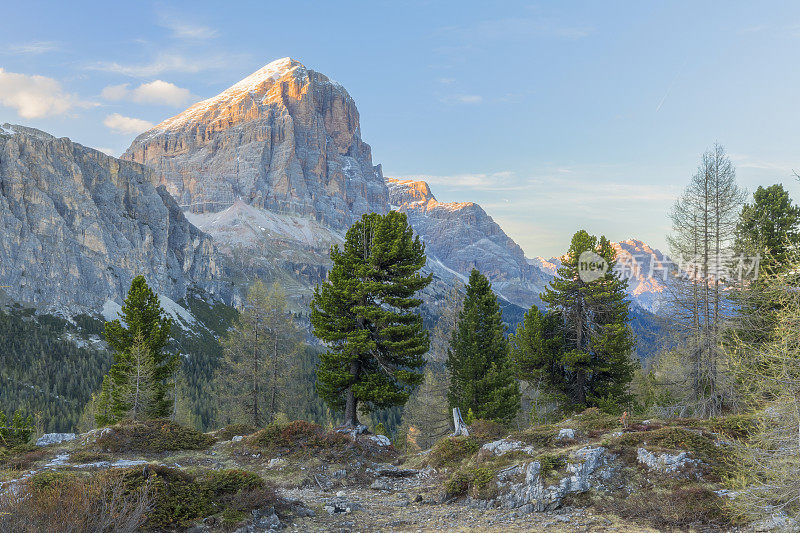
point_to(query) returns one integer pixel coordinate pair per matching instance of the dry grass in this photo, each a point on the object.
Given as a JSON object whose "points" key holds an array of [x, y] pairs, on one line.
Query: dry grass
{"points": [[152, 436], [74, 504]]}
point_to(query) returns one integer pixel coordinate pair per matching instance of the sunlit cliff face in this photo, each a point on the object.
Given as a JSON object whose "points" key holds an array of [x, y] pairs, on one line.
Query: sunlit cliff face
{"points": [[285, 138]]}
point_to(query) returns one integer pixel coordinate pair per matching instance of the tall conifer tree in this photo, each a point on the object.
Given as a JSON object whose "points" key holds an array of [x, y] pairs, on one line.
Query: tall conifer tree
{"points": [[142, 317], [595, 361], [365, 314], [481, 373]]}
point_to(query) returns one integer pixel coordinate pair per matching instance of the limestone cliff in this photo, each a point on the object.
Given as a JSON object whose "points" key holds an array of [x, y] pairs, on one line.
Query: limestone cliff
{"points": [[78, 225], [462, 236], [286, 138]]}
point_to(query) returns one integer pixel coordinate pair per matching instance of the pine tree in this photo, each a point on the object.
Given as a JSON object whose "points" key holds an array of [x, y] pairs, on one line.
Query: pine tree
{"points": [[140, 388], [142, 316], [594, 366], [365, 315], [770, 229], [481, 373]]}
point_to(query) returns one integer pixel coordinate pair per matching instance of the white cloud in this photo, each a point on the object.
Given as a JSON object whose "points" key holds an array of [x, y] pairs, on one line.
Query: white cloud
{"points": [[32, 48], [165, 62], [462, 99], [126, 125], [155, 92], [182, 30], [115, 92], [36, 96], [480, 181]]}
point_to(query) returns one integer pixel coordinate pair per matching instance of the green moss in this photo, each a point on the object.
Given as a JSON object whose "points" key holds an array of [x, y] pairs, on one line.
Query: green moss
{"points": [[152, 436], [550, 464], [479, 482], [701, 444], [452, 450], [593, 419], [539, 436]]}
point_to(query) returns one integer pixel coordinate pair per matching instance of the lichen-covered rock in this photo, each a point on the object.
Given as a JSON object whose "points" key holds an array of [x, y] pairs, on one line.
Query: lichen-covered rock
{"points": [[504, 446], [286, 138], [55, 438], [666, 462], [79, 225], [565, 434], [587, 468]]}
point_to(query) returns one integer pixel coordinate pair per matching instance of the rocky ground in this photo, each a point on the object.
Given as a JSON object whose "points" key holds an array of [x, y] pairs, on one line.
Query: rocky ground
{"points": [[589, 473]]}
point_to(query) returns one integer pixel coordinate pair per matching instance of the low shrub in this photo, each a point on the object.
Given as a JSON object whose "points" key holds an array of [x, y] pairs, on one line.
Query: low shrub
{"points": [[452, 450], [735, 426], [88, 456], [685, 506], [233, 430], [478, 482], [298, 437], [593, 419], [180, 498], [56, 501], [152, 436], [487, 430], [539, 436], [21, 457], [550, 464]]}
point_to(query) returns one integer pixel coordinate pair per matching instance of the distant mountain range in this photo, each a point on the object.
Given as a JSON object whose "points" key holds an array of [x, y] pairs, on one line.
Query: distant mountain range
{"points": [[259, 180]]}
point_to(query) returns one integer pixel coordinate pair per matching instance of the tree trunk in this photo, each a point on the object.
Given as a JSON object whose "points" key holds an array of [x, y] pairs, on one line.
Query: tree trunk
{"points": [[256, 417], [351, 403], [581, 387], [273, 397]]}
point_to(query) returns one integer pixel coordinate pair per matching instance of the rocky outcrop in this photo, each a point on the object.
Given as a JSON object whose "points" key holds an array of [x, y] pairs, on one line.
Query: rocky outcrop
{"points": [[78, 225], [286, 138], [462, 236], [587, 468]]}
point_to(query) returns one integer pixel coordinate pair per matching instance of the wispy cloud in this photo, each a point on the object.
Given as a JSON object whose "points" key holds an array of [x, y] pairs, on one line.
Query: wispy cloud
{"points": [[187, 31], [478, 181], [165, 62], [469, 99], [758, 163], [32, 48], [37, 96], [126, 125], [155, 92]]}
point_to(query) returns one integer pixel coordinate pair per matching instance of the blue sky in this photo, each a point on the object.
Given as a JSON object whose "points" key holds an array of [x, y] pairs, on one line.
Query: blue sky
{"points": [[554, 116]]}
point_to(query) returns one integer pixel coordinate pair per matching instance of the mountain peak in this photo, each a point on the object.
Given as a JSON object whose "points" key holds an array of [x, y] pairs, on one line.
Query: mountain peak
{"points": [[269, 73]]}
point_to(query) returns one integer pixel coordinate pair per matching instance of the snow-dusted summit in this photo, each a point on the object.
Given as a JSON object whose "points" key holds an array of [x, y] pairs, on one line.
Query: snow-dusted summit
{"points": [[285, 138]]}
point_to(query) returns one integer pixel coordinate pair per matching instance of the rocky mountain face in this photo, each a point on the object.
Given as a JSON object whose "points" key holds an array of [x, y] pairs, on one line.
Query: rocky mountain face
{"points": [[275, 170], [78, 225], [286, 139], [461, 236]]}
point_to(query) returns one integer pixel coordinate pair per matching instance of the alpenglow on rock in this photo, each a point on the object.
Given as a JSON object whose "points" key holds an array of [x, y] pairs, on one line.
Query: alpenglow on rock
{"points": [[286, 138], [78, 225], [462, 236]]}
